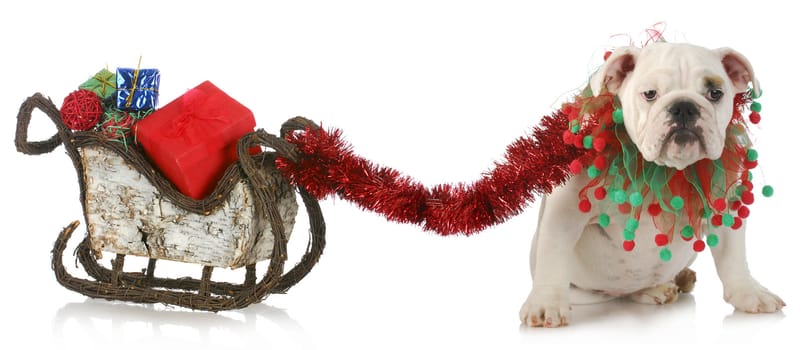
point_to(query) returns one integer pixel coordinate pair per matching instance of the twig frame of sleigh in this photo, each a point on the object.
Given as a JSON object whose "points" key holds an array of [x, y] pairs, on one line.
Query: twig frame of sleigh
{"points": [[131, 209]]}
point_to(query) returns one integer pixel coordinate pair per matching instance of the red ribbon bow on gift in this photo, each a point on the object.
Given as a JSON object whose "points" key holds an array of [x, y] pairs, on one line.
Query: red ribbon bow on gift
{"points": [[196, 115]]}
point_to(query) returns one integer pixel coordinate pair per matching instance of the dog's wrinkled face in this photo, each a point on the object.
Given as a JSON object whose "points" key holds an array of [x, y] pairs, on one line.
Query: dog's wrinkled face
{"points": [[677, 99]]}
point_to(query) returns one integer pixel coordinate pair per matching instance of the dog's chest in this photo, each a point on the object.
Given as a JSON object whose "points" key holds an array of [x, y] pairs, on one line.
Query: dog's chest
{"points": [[603, 265]]}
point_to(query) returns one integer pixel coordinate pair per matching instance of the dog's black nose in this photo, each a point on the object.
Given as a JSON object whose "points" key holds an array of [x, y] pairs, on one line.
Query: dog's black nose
{"points": [[684, 113]]}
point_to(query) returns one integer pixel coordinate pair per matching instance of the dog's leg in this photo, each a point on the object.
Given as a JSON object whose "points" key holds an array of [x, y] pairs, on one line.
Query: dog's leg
{"points": [[560, 226], [665, 293], [740, 289]]}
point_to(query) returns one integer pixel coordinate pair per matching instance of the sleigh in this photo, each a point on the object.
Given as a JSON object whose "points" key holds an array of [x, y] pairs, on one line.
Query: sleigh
{"points": [[131, 209]]}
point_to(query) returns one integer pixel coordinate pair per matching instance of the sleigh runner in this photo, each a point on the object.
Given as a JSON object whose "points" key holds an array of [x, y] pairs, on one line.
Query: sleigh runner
{"points": [[131, 209]]}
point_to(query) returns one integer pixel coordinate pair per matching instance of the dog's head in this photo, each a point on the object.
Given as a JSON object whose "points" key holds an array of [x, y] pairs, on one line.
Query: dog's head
{"points": [[677, 99]]}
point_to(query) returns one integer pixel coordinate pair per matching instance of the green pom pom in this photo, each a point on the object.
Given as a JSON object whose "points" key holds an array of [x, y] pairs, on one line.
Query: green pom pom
{"points": [[749, 175], [712, 240], [676, 203], [636, 199], [613, 170], [618, 196], [756, 94], [618, 116], [755, 107], [752, 155], [739, 190], [707, 212], [574, 126], [767, 191], [687, 231], [593, 171], [588, 141], [604, 220], [628, 235], [666, 254], [727, 220], [631, 224]]}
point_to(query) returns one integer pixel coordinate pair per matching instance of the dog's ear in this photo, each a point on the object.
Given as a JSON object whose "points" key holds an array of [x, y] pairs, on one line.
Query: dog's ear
{"points": [[616, 68], [738, 68]]}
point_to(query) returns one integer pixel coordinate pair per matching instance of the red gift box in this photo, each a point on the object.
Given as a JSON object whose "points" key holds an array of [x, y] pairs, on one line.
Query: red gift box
{"points": [[193, 139]]}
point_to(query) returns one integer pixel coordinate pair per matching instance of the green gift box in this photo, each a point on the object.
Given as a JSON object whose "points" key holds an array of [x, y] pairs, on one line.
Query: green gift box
{"points": [[103, 83]]}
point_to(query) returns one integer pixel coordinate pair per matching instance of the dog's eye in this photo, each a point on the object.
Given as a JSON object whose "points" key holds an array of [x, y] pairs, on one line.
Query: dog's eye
{"points": [[649, 95], [714, 95]]}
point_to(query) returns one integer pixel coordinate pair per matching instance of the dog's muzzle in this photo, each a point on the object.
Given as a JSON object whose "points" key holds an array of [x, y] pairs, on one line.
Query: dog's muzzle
{"points": [[683, 124]]}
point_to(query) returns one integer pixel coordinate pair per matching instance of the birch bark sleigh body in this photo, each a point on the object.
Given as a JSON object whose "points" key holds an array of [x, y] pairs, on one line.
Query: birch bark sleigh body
{"points": [[127, 215]]}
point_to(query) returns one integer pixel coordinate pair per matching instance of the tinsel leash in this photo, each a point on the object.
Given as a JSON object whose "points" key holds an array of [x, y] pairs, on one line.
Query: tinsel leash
{"points": [[532, 165]]}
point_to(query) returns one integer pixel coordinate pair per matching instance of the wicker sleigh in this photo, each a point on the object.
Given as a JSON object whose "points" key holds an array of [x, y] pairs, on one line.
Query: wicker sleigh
{"points": [[252, 184]]}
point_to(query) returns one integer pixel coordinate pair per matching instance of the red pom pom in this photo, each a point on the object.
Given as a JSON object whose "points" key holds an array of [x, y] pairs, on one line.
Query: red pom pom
{"points": [[81, 110], [755, 117], [747, 197], [687, 238], [584, 206], [750, 164], [748, 185], [661, 239], [699, 245], [624, 208], [716, 220], [575, 166], [720, 204], [578, 141], [736, 205], [737, 223], [568, 137], [600, 193], [600, 162], [654, 209], [744, 212], [628, 245], [599, 144]]}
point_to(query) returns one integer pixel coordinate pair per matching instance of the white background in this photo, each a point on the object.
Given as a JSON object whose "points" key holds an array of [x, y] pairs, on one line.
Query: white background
{"points": [[434, 89]]}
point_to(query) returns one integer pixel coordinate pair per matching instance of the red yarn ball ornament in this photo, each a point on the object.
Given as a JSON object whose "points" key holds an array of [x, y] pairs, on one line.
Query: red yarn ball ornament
{"points": [[699, 245], [625, 208], [81, 110], [743, 212]]}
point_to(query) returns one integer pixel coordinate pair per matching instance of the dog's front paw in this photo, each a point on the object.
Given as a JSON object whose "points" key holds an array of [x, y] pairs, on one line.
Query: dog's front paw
{"points": [[752, 297], [546, 307]]}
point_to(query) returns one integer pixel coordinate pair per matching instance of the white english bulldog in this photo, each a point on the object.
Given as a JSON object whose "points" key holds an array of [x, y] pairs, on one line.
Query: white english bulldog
{"points": [[677, 100]]}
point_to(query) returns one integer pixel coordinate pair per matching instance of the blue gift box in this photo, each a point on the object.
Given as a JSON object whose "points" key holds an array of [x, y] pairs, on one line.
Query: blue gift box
{"points": [[137, 88]]}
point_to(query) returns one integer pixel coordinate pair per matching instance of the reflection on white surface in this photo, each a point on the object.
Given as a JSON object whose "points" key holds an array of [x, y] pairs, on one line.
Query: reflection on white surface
{"points": [[108, 323]]}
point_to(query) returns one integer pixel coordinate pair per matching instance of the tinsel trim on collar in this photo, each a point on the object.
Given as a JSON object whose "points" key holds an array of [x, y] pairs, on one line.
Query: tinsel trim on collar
{"points": [[707, 194]]}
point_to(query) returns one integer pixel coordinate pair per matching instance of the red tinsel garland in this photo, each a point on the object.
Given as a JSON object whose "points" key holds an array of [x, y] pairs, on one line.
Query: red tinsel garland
{"points": [[532, 165]]}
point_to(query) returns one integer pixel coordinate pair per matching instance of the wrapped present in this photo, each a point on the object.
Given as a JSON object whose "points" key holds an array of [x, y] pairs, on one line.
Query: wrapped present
{"points": [[137, 88], [103, 83], [193, 139]]}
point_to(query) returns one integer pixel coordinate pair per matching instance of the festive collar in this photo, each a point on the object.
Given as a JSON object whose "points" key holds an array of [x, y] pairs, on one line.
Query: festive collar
{"points": [[706, 194]]}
